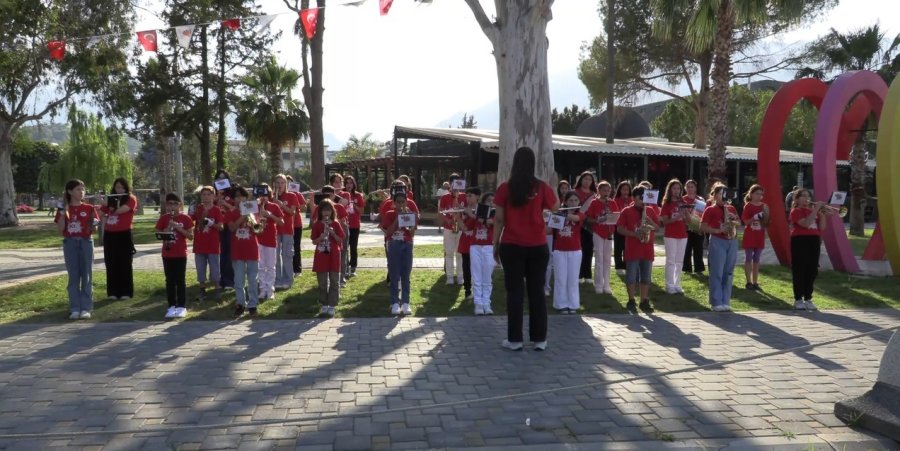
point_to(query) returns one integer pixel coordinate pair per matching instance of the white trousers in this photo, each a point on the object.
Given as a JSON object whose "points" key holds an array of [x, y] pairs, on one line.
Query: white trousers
{"points": [[566, 265], [603, 249], [452, 259], [549, 264], [482, 260], [266, 269], [674, 261]]}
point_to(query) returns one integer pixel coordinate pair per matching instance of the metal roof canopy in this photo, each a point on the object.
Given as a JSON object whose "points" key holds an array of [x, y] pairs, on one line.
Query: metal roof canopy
{"points": [[490, 142]]}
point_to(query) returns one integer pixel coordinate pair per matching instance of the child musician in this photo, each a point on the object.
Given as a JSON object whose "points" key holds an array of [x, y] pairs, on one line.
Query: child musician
{"points": [[807, 221], [693, 254], [289, 203], [622, 200], [328, 236], [271, 217], [400, 252], [720, 221], [638, 224], [562, 188], [674, 217], [467, 235], [755, 218], [452, 259], [76, 222], [244, 255], [567, 258], [387, 205], [482, 255], [174, 254], [208, 225], [596, 216]]}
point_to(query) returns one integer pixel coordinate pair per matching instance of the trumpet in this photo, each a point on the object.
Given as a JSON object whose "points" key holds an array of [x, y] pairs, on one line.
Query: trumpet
{"points": [[171, 229], [832, 210], [256, 226]]}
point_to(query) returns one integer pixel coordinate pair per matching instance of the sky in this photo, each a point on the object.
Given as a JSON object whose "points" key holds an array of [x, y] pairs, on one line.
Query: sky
{"points": [[427, 65]]}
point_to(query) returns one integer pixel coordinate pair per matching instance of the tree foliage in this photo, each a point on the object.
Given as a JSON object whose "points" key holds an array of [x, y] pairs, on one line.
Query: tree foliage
{"points": [[357, 148], [863, 49], [468, 121], [567, 122], [27, 158]]}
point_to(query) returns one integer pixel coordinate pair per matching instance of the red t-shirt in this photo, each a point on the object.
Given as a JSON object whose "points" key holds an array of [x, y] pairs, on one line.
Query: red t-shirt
{"points": [[121, 222], [714, 215], [584, 196], [290, 200], [81, 218], [401, 234], [677, 229], [269, 236], [387, 206], [484, 234], [754, 232], [630, 219], [598, 210], [331, 261], [177, 248], [355, 207], [446, 203], [301, 209], [206, 239], [244, 244], [467, 237], [798, 230], [524, 225], [569, 237], [623, 202]]}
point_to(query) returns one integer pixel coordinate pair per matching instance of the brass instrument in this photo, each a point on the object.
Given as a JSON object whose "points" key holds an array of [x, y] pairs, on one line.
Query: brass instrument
{"points": [[730, 223], [171, 229], [326, 241], [646, 227], [832, 210], [256, 226]]}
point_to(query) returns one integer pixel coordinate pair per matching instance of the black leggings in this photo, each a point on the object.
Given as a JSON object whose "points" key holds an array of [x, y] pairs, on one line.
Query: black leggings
{"points": [[587, 253], [226, 271], [524, 271], [618, 250], [805, 252], [174, 270], [298, 235], [467, 273], [354, 242], [118, 251], [693, 253]]}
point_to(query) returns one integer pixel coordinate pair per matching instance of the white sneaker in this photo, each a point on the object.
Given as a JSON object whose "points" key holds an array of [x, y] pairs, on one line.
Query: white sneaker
{"points": [[487, 310], [450, 280], [726, 308], [810, 306], [330, 312], [85, 315], [540, 345], [395, 309], [479, 310], [718, 308], [607, 290], [406, 310], [323, 311], [460, 280], [170, 313], [75, 315], [546, 292], [180, 312], [620, 272], [512, 346], [799, 304], [112, 298], [598, 290], [271, 296]]}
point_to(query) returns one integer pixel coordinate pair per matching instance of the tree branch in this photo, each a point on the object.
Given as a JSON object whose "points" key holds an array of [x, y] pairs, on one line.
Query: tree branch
{"points": [[650, 87], [50, 106], [486, 26], [687, 78]]}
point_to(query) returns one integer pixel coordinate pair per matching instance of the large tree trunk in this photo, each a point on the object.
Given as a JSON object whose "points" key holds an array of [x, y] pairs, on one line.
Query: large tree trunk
{"points": [[8, 215], [701, 103], [610, 72], [719, 93], [312, 96], [205, 163], [858, 186], [223, 106], [293, 158], [519, 37], [275, 162]]}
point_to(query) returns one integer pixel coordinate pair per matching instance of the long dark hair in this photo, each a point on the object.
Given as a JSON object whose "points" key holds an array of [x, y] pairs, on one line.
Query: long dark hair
{"points": [[323, 205], [668, 196], [70, 185], [622, 185], [124, 183], [352, 180], [522, 181], [581, 177]]}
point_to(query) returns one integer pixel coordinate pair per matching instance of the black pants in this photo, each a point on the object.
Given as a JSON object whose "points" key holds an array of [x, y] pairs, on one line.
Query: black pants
{"points": [[587, 253], [354, 243], [805, 252], [619, 250], [524, 270], [467, 273], [298, 235], [226, 271], [118, 251], [693, 253], [174, 269]]}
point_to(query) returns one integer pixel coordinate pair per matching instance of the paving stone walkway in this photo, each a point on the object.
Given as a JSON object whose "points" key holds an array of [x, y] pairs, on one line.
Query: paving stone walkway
{"points": [[95, 377]]}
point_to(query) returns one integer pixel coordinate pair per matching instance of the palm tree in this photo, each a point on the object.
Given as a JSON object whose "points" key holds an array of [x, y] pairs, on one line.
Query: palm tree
{"points": [[359, 149], [835, 53], [269, 114], [713, 24]]}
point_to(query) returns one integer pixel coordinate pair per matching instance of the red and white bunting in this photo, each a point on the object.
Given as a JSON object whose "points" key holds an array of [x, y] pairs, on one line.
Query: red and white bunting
{"points": [[147, 40], [232, 24], [384, 6], [184, 34], [309, 17], [264, 22], [57, 50]]}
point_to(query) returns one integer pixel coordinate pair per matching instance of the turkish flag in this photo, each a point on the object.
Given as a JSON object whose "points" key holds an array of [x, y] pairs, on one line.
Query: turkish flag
{"points": [[57, 50], [309, 17], [232, 24], [147, 40], [385, 6]]}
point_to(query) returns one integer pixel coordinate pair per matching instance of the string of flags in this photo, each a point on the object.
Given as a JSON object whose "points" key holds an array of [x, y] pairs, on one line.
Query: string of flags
{"points": [[148, 39]]}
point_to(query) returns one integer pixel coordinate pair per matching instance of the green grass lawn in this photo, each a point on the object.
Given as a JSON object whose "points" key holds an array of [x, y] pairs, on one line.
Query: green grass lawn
{"points": [[41, 233], [367, 296], [421, 251]]}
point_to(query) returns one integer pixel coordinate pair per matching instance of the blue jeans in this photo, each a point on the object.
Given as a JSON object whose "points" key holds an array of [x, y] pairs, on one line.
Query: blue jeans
{"points": [[78, 254], [722, 257], [284, 257], [400, 257], [248, 269], [201, 261]]}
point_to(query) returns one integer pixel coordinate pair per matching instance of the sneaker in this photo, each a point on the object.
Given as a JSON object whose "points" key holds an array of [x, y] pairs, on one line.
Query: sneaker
{"points": [[460, 280], [799, 304], [726, 307], [512, 346], [469, 297], [112, 298], [85, 315], [406, 309], [343, 283], [395, 309], [252, 312], [479, 310], [180, 312], [170, 313], [331, 312], [646, 307], [546, 292], [679, 291], [238, 311], [450, 280], [810, 306], [271, 296], [323, 311], [487, 310], [631, 306], [540, 345], [352, 273], [75, 315], [756, 287], [620, 272], [124, 298], [598, 290]]}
